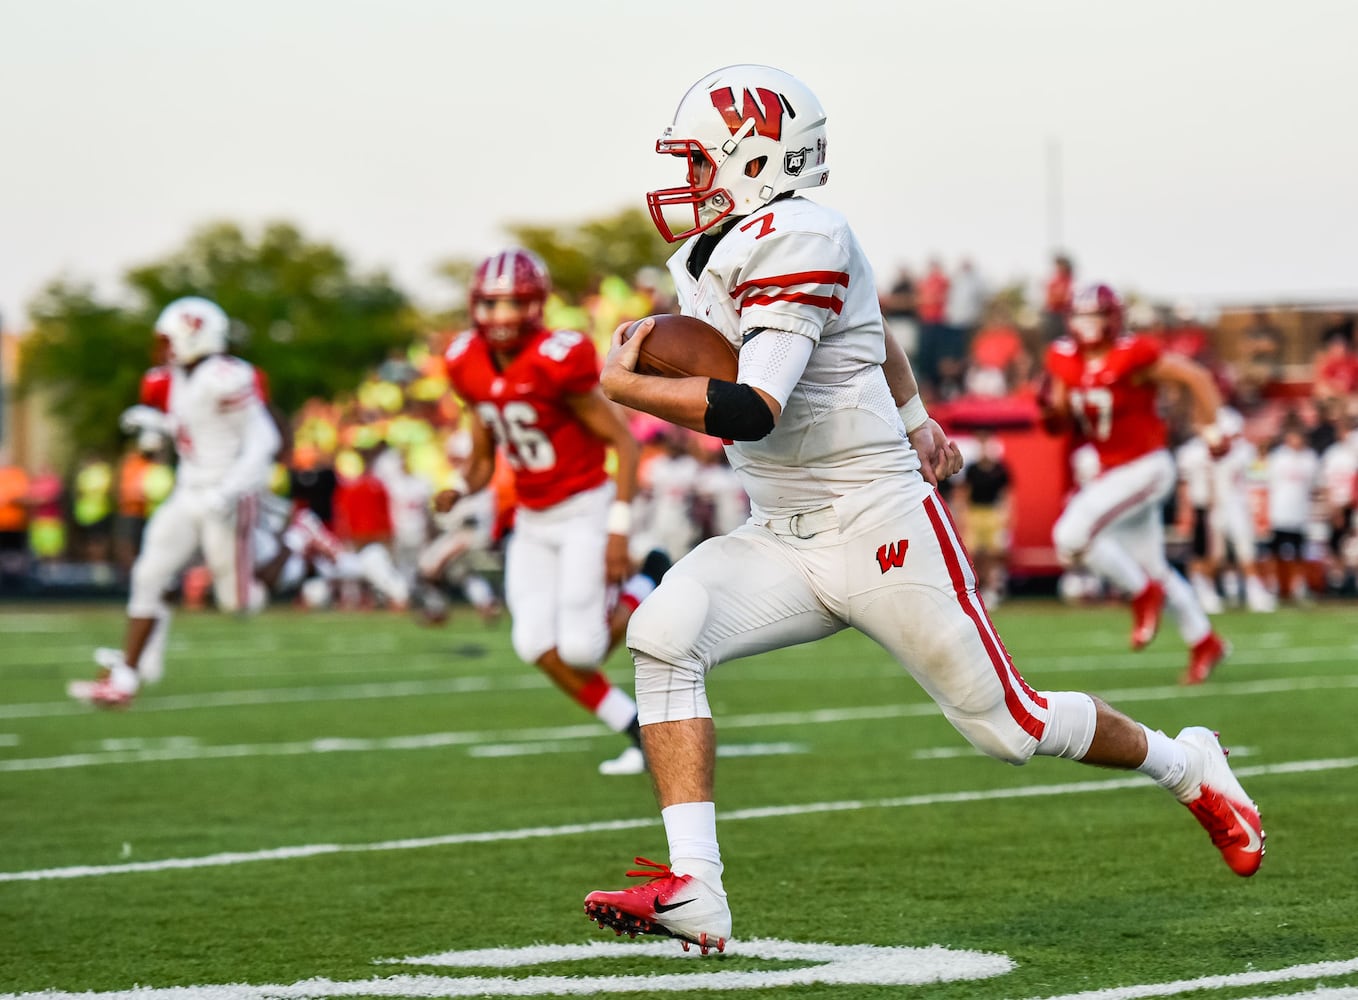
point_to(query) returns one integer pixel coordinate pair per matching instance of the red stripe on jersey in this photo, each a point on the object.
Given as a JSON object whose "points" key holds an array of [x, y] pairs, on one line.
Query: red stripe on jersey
{"points": [[959, 571], [834, 304], [798, 278]]}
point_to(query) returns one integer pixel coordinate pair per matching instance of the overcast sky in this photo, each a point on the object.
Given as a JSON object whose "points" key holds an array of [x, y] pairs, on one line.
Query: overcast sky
{"points": [[1208, 149]]}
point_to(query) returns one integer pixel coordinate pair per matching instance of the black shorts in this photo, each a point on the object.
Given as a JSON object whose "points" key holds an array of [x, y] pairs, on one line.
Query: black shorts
{"points": [[1287, 544], [1199, 540]]}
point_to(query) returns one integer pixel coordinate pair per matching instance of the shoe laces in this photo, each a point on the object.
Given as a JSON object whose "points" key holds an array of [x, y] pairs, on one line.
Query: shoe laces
{"points": [[649, 870]]}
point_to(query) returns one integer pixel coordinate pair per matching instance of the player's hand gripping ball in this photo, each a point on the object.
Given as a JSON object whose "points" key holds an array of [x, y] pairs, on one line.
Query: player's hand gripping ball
{"points": [[684, 346]]}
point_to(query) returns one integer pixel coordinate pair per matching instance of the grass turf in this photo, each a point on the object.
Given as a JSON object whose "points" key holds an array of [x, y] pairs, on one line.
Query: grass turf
{"points": [[353, 730]]}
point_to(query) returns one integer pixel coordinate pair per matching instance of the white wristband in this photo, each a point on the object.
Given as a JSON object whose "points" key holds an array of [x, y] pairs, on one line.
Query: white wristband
{"points": [[913, 413], [619, 517]]}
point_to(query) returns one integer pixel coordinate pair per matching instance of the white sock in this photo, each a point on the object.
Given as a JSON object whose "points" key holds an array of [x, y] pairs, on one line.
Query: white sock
{"points": [[617, 710], [1167, 764], [692, 831], [638, 587]]}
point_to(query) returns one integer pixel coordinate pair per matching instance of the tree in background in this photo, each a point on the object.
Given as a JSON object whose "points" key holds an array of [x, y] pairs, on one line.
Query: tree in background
{"points": [[300, 313], [578, 255]]}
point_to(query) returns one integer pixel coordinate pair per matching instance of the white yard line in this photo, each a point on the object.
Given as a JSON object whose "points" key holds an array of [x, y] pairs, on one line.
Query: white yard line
{"points": [[1235, 980], [604, 826], [426, 741]]}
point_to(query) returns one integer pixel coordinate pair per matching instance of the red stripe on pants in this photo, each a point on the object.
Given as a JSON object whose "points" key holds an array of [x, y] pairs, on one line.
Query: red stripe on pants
{"points": [[954, 556]]}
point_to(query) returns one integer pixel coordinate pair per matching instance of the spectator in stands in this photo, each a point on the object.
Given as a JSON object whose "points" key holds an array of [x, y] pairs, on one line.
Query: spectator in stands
{"points": [[1335, 370], [1261, 358], [931, 303], [1339, 480], [998, 357], [1056, 301], [962, 315], [900, 312], [1293, 469]]}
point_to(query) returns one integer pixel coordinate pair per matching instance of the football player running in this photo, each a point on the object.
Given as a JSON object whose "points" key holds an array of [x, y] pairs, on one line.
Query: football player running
{"points": [[535, 393], [211, 404], [827, 432], [1104, 383]]}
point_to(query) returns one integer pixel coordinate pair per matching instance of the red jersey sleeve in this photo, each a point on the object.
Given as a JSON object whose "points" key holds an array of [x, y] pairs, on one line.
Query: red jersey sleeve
{"points": [[1142, 352]]}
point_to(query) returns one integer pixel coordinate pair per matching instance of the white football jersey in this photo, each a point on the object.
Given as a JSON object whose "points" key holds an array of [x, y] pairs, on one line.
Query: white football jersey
{"points": [[213, 410], [796, 266], [1195, 471]]}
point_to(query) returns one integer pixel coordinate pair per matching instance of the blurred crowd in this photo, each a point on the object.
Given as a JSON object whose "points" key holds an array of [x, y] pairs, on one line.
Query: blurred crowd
{"points": [[368, 463]]}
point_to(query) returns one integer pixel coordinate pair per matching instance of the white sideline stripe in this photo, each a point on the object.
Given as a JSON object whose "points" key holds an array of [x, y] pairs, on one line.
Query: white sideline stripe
{"points": [[428, 741], [1315, 970], [285, 696], [605, 826], [723, 750], [529, 681]]}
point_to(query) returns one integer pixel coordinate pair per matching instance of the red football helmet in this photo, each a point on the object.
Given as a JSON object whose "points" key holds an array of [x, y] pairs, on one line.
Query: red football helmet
{"points": [[514, 274], [1096, 315]]}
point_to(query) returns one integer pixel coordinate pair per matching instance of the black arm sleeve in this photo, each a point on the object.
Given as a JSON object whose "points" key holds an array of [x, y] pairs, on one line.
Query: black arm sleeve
{"points": [[736, 412]]}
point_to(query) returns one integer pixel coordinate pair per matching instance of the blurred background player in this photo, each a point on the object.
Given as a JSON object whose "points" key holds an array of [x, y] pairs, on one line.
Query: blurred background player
{"points": [[1229, 535], [1104, 384], [212, 405], [1293, 476], [535, 393]]}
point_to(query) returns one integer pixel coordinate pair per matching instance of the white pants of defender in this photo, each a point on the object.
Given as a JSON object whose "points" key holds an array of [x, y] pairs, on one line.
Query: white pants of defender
{"points": [[1123, 504], [555, 585], [181, 527], [765, 587]]}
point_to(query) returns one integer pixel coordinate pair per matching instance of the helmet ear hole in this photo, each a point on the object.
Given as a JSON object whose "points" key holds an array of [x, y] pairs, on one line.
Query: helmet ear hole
{"points": [[756, 166]]}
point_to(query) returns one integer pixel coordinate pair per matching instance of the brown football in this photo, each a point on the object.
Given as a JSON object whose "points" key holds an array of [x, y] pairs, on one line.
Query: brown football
{"points": [[681, 346]]}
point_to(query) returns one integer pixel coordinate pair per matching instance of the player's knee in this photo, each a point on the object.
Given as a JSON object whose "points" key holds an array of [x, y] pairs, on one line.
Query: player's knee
{"points": [[1070, 540], [583, 648], [669, 692], [670, 622], [1071, 720], [529, 644], [1007, 743]]}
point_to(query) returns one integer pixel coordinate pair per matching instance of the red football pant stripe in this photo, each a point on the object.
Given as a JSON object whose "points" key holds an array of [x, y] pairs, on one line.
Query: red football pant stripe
{"points": [[963, 582]]}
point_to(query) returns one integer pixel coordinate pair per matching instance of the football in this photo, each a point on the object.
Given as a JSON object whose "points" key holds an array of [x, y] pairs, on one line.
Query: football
{"points": [[682, 346]]}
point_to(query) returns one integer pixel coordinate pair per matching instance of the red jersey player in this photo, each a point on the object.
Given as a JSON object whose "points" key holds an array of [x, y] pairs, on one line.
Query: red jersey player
{"points": [[534, 393], [1105, 383]]}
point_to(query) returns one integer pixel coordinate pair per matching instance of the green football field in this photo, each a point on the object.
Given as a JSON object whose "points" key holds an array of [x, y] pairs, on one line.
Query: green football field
{"points": [[318, 805]]}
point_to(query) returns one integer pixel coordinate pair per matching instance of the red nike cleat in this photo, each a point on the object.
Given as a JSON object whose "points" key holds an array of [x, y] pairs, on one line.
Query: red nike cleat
{"points": [[669, 905], [1220, 804], [1146, 608], [115, 687], [1205, 656]]}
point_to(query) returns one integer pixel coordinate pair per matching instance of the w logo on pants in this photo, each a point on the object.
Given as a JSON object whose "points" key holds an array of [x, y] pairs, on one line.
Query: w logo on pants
{"points": [[893, 555]]}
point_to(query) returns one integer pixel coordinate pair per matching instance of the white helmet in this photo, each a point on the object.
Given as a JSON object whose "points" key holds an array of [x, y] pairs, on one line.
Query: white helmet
{"points": [[194, 327], [761, 132]]}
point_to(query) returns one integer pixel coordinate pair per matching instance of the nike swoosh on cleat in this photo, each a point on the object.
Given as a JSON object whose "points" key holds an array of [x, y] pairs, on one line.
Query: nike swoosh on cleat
{"points": [[1255, 842], [660, 907]]}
